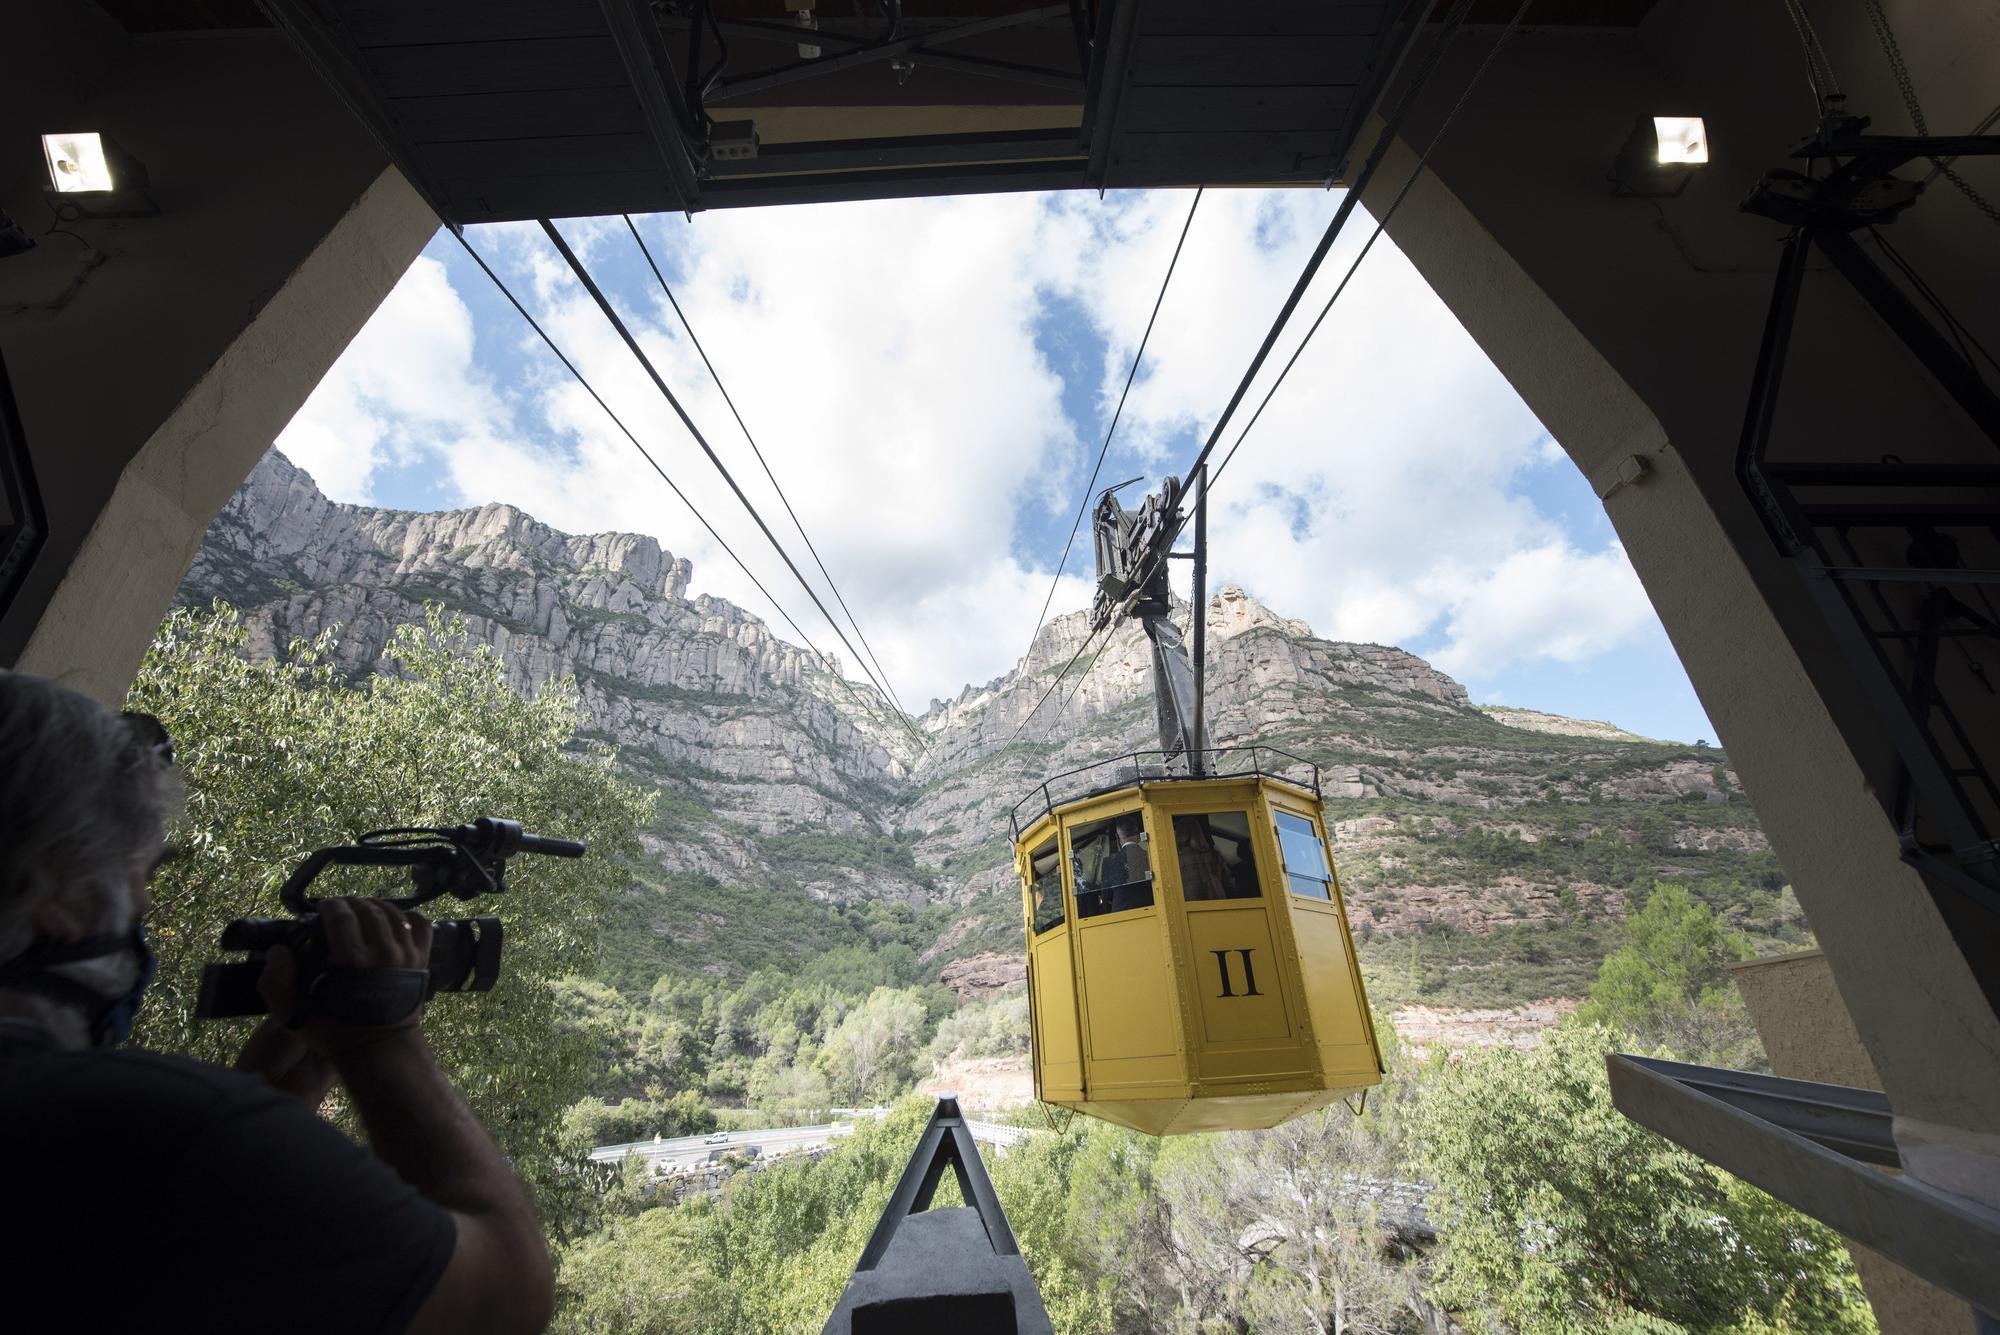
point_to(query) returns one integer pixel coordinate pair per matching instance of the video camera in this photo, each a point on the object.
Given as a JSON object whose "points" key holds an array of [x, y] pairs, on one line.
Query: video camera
{"points": [[462, 860]]}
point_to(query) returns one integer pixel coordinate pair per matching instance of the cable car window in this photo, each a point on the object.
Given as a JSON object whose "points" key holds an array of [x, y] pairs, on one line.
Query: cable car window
{"points": [[1046, 888], [1305, 857], [1112, 868], [1215, 857]]}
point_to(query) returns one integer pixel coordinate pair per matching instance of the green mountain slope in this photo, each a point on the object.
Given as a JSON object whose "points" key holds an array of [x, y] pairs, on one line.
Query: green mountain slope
{"points": [[1484, 852]]}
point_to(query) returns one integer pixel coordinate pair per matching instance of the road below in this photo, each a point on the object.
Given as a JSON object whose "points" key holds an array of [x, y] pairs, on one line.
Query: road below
{"points": [[663, 1153]]}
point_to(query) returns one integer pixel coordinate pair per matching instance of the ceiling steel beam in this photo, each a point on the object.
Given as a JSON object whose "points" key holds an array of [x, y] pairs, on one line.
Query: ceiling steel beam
{"points": [[914, 183], [980, 66], [958, 150], [636, 34], [340, 63], [1107, 85], [878, 51]]}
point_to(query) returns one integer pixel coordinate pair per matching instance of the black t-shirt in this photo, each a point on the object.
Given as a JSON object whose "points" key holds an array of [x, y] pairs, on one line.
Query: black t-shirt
{"points": [[147, 1192]]}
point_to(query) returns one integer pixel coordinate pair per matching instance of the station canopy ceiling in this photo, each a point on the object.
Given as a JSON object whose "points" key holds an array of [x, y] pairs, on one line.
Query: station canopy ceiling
{"points": [[512, 109]]}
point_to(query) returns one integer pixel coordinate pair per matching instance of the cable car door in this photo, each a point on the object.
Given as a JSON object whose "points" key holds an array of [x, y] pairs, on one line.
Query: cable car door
{"points": [[1130, 1005], [1051, 978]]}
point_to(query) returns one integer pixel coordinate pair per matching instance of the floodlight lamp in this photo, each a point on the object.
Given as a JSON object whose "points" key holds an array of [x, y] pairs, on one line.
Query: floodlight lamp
{"points": [[1680, 140], [1660, 156], [77, 163]]}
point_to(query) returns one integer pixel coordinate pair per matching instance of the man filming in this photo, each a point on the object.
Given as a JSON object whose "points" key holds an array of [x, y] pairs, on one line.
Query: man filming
{"points": [[146, 1191]]}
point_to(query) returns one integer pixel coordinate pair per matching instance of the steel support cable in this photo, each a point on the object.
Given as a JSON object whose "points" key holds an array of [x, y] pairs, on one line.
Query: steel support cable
{"points": [[1084, 676], [1940, 165], [1348, 203], [1453, 19], [1353, 193], [1049, 690], [1819, 70], [1956, 328], [1381, 224], [1105, 449], [645, 362], [785, 500], [617, 421]]}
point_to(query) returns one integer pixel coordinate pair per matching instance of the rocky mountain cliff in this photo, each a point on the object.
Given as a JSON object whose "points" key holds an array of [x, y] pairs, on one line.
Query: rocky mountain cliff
{"points": [[789, 790]]}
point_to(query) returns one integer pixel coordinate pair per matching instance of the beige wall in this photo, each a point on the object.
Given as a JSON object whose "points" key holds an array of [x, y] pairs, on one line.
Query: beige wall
{"points": [[1808, 1036], [179, 358]]}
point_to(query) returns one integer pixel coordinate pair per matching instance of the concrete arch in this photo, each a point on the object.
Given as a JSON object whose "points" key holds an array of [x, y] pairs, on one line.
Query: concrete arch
{"points": [[152, 380], [1631, 329]]}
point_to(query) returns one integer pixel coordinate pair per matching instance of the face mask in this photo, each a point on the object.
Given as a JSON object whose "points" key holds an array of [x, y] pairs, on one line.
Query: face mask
{"points": [[110, 1018]]}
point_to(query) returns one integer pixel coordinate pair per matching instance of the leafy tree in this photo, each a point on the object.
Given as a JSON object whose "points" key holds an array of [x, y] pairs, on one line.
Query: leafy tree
{"points": [[283, 756], [1326, 1202], [636, 1049], [995, 1027], [591, 1122], [1668, 984], [873, 1053], [1556, 1212]]}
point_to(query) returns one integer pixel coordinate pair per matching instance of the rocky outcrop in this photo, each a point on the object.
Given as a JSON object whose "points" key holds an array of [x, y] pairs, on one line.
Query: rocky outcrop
{"points": [[691, 687], [778, 770], [984, 975]]}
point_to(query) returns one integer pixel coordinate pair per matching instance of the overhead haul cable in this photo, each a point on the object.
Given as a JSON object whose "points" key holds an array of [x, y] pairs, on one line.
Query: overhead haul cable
{"points": [[1084, 506], [1381, 224], [1348, 204], [1354, 193], [618, 324], [1453, 20], [618, 422], [716, 376]]}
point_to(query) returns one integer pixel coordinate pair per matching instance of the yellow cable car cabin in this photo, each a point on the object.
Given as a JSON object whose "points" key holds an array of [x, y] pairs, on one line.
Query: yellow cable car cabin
{"points": [[1189, 961]]}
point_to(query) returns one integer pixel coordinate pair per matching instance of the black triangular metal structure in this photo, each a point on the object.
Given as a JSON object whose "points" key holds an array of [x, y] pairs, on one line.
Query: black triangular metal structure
{"points": [[927, 1270]]}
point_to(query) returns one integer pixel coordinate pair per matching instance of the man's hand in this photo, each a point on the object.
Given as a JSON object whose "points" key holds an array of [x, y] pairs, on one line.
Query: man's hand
{"points": [[360, 933], [275, 1050], [369, 934]]}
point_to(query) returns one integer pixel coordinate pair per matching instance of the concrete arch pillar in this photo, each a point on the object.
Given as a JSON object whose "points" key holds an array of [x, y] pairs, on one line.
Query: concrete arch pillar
{"points": [[1631, 330], [152, 378]]}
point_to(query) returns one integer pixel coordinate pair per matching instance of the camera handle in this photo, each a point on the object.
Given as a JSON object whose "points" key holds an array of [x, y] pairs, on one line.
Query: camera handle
{"points": [[489, 881], [463, 860]]}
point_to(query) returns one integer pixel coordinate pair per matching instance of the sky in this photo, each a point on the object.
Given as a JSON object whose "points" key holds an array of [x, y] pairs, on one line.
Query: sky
{"points": [[930, 382]]}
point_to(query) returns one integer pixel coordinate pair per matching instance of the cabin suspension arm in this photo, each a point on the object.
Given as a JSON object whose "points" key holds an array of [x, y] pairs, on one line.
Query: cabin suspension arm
{"points": [[1132, 550]]}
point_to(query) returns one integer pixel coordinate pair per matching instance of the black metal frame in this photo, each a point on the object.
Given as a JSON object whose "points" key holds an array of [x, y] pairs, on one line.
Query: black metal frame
{"points": [[919, 47], [25, 527], [1138, 775], [1883, 575], [886, 1293], [946, 1142], [672, 115]]}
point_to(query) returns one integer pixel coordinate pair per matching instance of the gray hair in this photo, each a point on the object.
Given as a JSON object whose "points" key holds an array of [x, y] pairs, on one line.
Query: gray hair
{"points": [[84, 800]]}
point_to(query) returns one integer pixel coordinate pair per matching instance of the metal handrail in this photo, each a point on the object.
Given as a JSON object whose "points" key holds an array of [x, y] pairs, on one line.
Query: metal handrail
{"points": [[1046, 793]]}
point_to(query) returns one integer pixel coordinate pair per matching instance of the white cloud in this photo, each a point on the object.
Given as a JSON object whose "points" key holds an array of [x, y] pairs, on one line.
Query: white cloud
{"points": [[1546, 602], [895, 389], [405, 382], [1375, 498], [885, 355]]}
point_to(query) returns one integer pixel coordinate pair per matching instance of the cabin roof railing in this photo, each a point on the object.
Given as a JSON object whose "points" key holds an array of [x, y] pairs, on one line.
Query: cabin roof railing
{"points": [[1137, 768]]}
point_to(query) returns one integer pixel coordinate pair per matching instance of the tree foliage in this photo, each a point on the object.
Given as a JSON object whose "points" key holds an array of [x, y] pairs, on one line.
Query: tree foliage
{"points": [[590, 1122], [873, 1053], [284, 756], [1667, 984], [1556, 1212]]}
